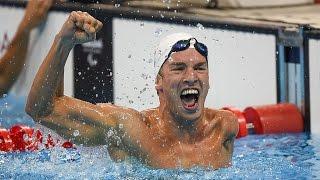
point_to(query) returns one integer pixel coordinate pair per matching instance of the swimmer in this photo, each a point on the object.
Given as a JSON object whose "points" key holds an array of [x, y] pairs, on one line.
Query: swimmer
{"points": [[13, 60], [181, 132]]}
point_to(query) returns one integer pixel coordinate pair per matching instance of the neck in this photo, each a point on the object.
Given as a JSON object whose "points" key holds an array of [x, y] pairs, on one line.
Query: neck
{"points": [[175, 127]]}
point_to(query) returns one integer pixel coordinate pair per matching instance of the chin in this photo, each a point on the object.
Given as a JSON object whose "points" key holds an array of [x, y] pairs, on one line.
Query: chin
{"points": [[190, 117], [184, 115]]}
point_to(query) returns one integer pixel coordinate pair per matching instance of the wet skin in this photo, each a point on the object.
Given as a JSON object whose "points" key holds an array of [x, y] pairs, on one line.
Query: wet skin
{"points": [[172, 135], [179, 133]]}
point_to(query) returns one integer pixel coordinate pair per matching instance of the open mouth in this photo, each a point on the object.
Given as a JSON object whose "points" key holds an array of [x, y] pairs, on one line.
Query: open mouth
{"points": [[189, 98]]}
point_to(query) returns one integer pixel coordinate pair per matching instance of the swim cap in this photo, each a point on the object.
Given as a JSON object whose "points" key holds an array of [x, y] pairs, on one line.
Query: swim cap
{"points": [[164, 48]]}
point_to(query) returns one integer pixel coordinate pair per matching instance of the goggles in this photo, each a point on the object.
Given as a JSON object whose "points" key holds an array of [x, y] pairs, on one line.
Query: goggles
{"points": [[185, 44]]}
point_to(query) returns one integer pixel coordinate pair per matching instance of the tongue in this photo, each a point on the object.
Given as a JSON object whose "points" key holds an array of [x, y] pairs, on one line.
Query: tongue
{"points": [[189, 102]]}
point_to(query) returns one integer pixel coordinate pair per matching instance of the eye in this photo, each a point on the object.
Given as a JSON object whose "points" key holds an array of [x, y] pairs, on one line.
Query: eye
{"points": [[178, 68], [201, 68]]}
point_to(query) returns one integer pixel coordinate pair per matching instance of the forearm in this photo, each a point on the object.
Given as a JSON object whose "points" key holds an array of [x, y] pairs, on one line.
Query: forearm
{"points": [[14, 59], [47, 80]]}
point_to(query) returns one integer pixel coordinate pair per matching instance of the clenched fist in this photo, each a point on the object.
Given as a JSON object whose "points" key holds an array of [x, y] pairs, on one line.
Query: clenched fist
{"points": [[79, 28]]}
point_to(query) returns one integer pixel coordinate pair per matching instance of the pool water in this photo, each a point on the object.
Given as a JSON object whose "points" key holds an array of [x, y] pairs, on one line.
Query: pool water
{"points": [[284, 156]]}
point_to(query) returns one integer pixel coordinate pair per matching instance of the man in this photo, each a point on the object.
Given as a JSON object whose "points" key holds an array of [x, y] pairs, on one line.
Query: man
{"points": [[179, 133], [13, 60]]}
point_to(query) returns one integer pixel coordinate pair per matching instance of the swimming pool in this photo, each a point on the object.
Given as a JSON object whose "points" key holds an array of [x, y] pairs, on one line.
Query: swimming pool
{"points": [[285, 156]]}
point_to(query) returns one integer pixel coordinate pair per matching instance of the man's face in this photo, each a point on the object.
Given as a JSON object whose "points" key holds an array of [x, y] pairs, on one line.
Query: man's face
{"points": [[184, 83]]}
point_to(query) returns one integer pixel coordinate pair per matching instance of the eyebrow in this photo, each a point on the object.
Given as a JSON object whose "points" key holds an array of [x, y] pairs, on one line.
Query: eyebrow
{"points": [[200, 64], [177, 64]]}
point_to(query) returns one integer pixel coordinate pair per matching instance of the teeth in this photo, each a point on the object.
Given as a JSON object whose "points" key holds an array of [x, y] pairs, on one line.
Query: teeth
{"points": [[189, 91]]}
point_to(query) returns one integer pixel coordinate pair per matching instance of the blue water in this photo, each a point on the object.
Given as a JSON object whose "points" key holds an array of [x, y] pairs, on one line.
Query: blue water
{"points": [[285, 156]]}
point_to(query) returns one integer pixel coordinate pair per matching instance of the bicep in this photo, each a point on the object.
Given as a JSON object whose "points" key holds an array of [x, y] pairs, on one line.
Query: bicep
{"points": [[80, 121], [75, 130]]}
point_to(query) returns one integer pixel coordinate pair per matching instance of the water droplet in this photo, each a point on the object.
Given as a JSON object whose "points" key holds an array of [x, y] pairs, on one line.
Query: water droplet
{"points": [[129, 56], [110, 133], [25, 137], [120, 126], [200, 26], [158, 32], [142, 24], [116, 5], [143, 90], [79, 73], [76, 133]]}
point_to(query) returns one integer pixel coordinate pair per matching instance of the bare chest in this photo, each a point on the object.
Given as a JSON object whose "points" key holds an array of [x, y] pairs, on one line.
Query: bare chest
{"points": [[154, 146], [208, 152]]}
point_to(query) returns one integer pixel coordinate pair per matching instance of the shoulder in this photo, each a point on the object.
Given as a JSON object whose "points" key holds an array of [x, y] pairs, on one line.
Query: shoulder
{"points": [[150, 112], [114, 108], [220, 115], [227, 120], [119, 112]]}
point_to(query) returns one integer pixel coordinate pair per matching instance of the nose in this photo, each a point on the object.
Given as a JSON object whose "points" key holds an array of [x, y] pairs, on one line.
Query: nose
{"points": [[190, 77]]}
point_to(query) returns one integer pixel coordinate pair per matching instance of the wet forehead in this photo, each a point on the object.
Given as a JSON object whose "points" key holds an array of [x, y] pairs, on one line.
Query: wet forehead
{"points": [[188, 56]]}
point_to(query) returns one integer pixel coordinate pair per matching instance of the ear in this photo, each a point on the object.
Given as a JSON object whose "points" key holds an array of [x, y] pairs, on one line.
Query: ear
{"points": [[159, 87]]}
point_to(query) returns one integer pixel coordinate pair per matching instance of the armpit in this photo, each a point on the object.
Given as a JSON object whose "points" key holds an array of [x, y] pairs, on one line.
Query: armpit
{"points": [[228, 143]]}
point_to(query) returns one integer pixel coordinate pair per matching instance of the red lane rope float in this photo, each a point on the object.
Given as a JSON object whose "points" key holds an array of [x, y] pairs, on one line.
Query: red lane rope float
{"points": [[24, 138], [277, 118], [5, 140], [21, 137], [243, 131]]}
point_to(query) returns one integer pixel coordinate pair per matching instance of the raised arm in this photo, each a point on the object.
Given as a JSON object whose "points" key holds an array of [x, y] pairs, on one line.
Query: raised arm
{"points": [[13, 60], [46, 102]]}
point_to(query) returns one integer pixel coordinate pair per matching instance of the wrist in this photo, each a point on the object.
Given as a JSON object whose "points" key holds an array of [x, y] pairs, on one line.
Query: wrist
{"points": [[65, 42], [25, 24], [24, 27]]}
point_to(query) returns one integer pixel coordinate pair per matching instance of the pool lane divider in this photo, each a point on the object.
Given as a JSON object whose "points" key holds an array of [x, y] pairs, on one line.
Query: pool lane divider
{"points": [[20, 138], [268, 119], [276, 118]]}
